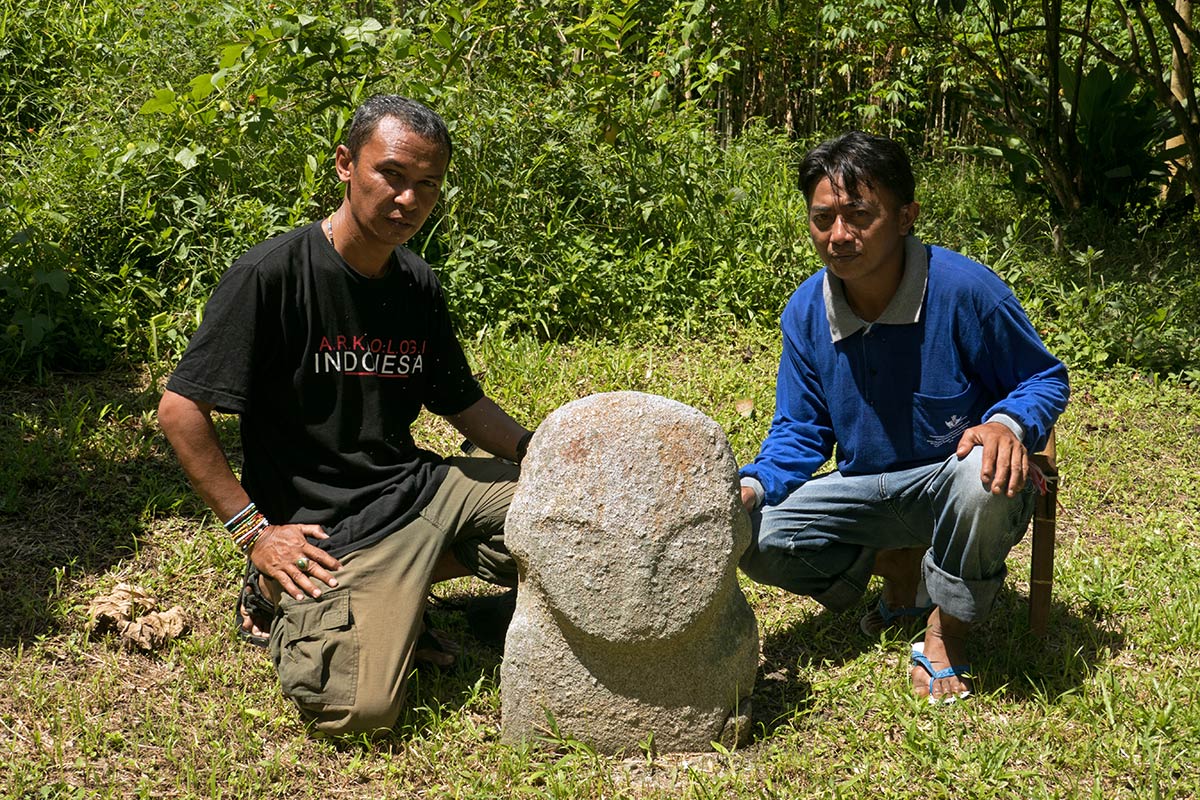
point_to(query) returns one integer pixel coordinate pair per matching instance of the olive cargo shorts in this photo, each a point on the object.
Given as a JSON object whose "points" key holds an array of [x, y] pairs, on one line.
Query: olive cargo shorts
{"points": [[344, 658]]}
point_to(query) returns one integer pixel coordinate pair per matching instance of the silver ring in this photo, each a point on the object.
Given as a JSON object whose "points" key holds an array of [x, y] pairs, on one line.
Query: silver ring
{"points": [[302, 564]]}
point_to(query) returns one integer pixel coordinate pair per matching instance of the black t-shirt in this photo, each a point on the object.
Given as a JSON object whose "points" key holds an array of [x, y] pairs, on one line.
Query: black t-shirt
{"points": [[328, 370]]}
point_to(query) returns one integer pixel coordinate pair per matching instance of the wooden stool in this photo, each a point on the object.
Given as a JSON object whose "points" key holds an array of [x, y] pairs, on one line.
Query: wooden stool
{"points": [[1041, 567]]}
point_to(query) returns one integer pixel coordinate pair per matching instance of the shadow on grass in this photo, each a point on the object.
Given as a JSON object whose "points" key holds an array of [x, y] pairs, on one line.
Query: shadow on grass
{"points": [[83, 470], [1040, 669], [1006, 653], [781, 693]]}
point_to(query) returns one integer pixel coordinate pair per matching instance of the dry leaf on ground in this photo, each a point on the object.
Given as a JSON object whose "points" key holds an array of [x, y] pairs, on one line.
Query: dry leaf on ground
{"points": [[154, 630], [130, 612]]}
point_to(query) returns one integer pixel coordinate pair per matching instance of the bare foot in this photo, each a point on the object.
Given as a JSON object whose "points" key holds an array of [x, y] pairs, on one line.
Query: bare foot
{"points": [[272, 594], [251, 628], [901, 573], [945, 645], [435, 649]]}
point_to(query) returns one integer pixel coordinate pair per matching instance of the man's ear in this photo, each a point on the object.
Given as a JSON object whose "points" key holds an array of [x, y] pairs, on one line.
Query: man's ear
{"points": [[908, 216], [341, 162]]}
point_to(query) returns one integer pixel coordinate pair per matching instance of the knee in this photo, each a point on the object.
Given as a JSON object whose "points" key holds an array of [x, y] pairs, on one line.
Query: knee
{"points": [[967, 484], [763, 561], [759, 565], [971, 498], [372, 716], [779, 566]]}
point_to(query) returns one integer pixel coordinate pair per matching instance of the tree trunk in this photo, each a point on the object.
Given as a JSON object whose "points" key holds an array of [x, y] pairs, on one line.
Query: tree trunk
{"points": [[1180, 72], [1061, 161]]}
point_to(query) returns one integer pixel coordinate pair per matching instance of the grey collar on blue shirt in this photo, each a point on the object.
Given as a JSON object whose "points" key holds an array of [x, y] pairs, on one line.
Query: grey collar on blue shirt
{"points": [[905, 307]]}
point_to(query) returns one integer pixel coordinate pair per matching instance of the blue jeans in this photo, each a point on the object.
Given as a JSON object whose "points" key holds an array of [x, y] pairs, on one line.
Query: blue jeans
{"points": [[822, 540]]}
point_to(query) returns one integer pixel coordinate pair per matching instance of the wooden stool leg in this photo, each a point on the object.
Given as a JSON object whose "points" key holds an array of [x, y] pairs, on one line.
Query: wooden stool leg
{"points": [[1041, 571]]}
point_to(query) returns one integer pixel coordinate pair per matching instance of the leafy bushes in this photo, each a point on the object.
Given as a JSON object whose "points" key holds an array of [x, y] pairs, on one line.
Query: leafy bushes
{"points": [[591, 194], [579, 207], [1117, 139], [549, 229], [1101, 293]]}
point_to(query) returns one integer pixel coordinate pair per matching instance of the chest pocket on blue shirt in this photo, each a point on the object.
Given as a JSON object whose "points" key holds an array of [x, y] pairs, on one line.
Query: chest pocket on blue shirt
{"points": [[939, 421]]}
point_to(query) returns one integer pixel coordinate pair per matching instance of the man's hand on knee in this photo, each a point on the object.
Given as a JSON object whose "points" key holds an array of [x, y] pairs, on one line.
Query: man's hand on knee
{"points": [[1005, 461], [284, 554]]}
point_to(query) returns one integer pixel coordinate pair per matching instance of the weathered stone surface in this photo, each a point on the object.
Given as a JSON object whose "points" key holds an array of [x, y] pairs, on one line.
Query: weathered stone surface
{"points": [[626, 528]]}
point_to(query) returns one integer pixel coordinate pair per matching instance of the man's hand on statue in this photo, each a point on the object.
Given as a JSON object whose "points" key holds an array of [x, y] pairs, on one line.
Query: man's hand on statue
{"points": [[1005, 461], [749, 499], [284, 553]]}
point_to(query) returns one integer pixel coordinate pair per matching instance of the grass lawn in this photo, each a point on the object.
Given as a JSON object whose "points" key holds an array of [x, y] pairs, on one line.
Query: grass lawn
{"points": [[1108, 705]]}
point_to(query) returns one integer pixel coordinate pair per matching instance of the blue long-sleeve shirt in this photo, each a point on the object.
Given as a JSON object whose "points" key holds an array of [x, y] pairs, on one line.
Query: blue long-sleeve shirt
{"points": [[953, 349]]}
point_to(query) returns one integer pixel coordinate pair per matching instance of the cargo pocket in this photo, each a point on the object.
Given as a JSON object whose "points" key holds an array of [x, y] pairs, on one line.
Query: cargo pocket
{"points": [[315, 650]]}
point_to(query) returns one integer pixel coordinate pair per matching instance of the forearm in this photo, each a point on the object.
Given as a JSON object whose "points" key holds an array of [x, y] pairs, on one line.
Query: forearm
{"points": [[282, 552], [788, 457], [1035, 404], [189, 428], [800, 439], [490, 427], [1031, 384], [801, 435]]}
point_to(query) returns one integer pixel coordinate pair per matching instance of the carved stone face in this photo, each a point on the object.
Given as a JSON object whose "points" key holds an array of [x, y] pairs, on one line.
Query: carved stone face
{"points": [[626, 517]]}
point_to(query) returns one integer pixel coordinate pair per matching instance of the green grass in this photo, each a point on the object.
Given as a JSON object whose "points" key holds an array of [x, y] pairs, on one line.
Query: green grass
{"points": [[1108, 705]]}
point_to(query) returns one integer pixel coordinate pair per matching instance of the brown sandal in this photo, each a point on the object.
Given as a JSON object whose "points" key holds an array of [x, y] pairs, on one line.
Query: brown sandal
{"points": [[252, 603]]}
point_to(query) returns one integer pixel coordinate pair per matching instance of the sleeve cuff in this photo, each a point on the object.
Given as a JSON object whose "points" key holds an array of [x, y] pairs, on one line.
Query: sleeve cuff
{"points": [[755, 486], [1010, 423]]}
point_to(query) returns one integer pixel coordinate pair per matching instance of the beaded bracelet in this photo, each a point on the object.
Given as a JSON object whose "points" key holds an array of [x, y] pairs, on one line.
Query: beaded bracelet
{"points": [[246, 526], [242, 521]]}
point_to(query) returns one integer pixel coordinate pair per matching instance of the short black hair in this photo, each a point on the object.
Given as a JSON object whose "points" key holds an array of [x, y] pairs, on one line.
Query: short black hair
{"points": [[415, 117], [856, 157]]}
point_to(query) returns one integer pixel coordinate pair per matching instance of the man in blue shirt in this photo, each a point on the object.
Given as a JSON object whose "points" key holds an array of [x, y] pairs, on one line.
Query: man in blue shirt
{"points": [[922, 368]]}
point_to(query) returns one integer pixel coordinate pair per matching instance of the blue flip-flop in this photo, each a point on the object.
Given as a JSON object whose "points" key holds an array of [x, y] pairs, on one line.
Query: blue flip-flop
{"points": [[918, 659]]}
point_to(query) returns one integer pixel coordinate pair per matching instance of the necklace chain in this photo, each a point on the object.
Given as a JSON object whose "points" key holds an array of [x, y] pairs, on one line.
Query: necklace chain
{"points": [[329, 229]]}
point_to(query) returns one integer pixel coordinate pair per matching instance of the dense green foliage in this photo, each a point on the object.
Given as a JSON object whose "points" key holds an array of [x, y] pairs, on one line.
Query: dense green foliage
{"points": [[622, 167], [1091, 104]]}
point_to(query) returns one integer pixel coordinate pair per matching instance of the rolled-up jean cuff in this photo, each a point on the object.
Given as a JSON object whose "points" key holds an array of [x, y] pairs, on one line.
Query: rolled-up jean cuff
{"points": [[969, 601], [847, 588]]}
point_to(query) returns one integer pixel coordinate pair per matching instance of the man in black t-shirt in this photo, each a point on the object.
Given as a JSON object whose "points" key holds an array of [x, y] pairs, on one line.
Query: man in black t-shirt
{"points": [[327, 341]]}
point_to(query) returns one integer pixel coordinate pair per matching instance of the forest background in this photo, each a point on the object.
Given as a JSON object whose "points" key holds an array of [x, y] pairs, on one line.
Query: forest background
{"points": [[622, 168], [621, 213]]}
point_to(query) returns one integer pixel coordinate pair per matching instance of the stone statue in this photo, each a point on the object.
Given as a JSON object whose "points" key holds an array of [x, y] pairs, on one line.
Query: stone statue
{"points": [[630, 624]]}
